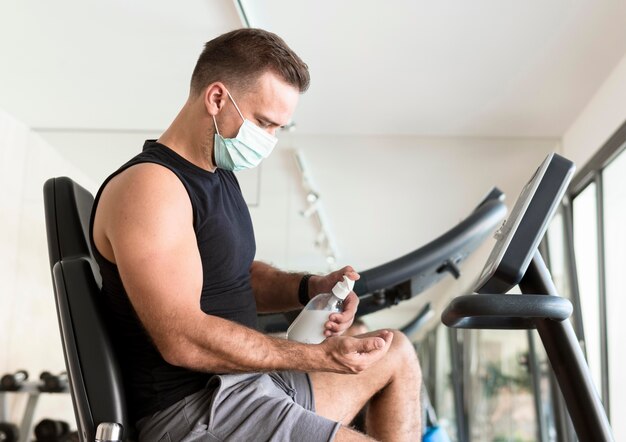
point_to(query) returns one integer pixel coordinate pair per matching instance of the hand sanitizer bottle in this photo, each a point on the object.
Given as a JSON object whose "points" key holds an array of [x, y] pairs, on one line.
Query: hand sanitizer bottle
{"points": [[308, 327]]}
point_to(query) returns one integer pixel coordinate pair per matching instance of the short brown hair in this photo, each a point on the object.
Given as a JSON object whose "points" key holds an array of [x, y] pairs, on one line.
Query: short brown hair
{"points": [[240, 57]]}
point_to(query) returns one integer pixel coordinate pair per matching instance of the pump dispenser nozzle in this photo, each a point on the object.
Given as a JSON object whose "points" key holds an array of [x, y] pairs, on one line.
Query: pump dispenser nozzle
{"points": [[342, 288]]}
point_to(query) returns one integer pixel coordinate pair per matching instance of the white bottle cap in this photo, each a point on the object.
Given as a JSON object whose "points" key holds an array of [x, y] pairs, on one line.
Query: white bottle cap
{"points": [[342, 288]]}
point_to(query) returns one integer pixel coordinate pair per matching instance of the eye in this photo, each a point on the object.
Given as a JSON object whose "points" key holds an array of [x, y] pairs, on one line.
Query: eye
{"points": [[263, 124]]}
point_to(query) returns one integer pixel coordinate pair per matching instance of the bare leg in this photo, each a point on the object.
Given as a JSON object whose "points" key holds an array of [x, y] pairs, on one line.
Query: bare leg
{"points": [[392, 387], [346, 434]]}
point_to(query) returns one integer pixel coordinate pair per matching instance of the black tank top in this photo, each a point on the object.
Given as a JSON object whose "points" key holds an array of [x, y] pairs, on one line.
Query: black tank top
{"points": [[225, 238]]}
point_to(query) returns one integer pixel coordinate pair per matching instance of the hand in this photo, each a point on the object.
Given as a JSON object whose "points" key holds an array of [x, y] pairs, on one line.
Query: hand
{"points": [[338, 322], [352, 355]]}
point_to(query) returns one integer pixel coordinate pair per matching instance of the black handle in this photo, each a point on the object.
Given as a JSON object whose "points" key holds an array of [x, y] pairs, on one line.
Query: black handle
{"points": [[505, 312]]}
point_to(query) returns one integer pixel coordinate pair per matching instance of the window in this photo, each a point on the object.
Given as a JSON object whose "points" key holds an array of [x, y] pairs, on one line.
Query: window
{"points": [[614, 199], [543, 376], [559, 265], [444, 392], [586, 250], [500, 390], [560, 261]]}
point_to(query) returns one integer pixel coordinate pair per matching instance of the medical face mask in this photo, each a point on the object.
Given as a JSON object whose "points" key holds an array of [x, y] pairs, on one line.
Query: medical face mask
{"points": [[251, 145]]}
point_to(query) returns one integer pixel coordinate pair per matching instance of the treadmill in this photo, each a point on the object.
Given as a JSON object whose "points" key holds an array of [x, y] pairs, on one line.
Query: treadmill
{"points": [[515, 260]]}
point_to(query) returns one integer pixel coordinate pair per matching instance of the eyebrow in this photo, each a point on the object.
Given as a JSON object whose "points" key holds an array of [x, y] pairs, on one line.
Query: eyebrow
{"points": [[267, 120]]}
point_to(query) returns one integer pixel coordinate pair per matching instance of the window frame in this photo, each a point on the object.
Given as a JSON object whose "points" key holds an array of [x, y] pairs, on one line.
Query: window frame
{"points": [[592, 172]]}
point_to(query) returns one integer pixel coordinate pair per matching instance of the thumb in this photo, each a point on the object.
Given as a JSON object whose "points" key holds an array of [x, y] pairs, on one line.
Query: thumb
{"points": [[367, 345]]}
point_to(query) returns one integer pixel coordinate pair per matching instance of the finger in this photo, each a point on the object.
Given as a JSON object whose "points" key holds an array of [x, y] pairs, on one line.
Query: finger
{"points": [[331, 326], [350, 307], [351, 274], [332, 329], [368, 345], [346, 271], [326, 283], [387, 335], [338, 327], [342, 318], [351, 302]]}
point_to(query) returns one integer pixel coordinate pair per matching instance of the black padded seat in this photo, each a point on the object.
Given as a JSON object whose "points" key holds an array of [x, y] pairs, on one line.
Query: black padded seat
{"points": [[93, 371]]}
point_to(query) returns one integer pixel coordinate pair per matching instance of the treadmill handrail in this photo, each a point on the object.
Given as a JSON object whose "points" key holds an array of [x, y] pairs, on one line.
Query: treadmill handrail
{"points": [[504, 312]]}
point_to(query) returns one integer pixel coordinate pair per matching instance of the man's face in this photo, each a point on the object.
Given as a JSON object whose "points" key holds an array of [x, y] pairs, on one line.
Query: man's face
{"points": [[269, 104]]}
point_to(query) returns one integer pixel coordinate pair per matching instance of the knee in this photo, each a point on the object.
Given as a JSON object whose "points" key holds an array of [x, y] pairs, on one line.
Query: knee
{"points": [[401, 344], [403, 352]]}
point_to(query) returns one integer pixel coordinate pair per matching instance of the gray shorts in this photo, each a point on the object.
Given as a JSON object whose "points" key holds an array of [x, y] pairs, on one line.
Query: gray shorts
{"points": [[243, 407]]}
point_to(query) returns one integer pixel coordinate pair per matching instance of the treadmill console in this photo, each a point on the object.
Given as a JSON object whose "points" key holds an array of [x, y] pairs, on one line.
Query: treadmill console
{"points": [[520, 234]]}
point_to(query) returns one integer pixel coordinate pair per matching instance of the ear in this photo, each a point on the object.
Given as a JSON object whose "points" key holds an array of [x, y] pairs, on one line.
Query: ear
{"points": [[215, 97]]}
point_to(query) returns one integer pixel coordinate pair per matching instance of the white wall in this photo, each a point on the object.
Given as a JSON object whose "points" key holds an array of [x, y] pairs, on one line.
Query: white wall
{"points": [[600, 118], [29, 336]]}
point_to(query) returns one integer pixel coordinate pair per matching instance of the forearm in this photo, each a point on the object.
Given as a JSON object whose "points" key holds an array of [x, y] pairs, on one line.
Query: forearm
{"points": [[222, 346], [228, 347], [275, 290]]}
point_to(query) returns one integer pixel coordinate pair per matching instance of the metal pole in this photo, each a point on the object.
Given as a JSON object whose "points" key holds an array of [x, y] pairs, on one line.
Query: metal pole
{"points": [[3, 407], [604, 346], [563, 423], [572, 274], [535, 375], [457, 384], [567, 360], [29, 415]]}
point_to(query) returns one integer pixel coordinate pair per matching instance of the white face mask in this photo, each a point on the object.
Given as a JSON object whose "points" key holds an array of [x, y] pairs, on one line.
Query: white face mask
{"points": [[251, 145]]}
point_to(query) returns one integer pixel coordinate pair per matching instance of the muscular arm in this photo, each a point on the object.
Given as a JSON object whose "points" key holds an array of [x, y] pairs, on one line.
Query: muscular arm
{"points": [[144, 225]]}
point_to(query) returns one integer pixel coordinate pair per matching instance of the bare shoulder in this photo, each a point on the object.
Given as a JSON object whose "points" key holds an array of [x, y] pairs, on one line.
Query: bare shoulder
{"points": [[146, 181], [146, 197]]}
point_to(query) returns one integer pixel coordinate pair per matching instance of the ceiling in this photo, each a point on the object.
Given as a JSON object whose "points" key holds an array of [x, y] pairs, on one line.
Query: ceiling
{"points": [[449, 68]]}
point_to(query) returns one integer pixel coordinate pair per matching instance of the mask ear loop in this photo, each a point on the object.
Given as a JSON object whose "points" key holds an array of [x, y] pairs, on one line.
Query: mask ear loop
{"points": [[236, 107], [215, 124]]}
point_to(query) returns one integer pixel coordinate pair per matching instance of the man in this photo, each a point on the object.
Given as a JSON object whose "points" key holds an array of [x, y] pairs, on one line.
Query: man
{"points": [[174, 242]]}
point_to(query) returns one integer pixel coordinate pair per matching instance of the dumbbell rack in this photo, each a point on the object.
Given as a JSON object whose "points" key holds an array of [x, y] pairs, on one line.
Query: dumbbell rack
{"points": [[33, 389]]}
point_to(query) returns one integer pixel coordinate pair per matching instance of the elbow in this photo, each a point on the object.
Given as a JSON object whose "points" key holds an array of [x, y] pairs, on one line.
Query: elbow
{"points": [[173, 358], [175, 353], [187, 355]]}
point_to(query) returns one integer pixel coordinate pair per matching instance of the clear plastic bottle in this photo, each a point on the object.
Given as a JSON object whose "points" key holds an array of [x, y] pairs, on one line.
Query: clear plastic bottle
{"points": [[308, 327]]}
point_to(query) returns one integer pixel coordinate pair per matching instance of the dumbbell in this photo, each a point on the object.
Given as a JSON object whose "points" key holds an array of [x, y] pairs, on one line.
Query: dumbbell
{"points": [[53, 383], [49, 430], [13, 381], [9, 432]]}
